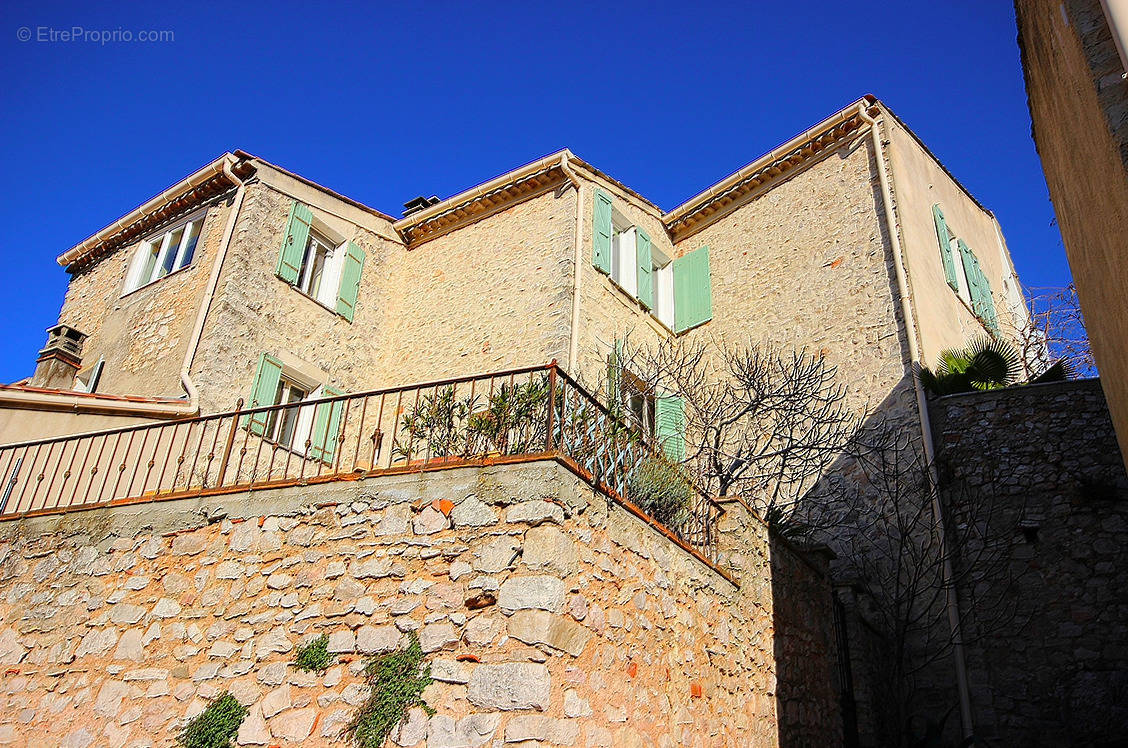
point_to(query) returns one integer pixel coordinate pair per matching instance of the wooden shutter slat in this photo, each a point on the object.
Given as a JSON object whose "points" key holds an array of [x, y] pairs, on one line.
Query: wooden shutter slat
{"points": [[601, 232], [263, 391], [693, 291], [294, 242], [350, 281], [669, 426], [645, 274], [326, 424], [944, 239]]}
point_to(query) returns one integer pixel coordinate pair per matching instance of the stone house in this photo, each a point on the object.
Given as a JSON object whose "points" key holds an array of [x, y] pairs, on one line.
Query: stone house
{"points": [[245, 282], [244, 267]]}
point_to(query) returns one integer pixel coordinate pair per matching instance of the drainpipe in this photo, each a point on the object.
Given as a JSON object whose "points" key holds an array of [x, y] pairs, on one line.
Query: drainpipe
{"points": [[577, 266], [952, 603], [213, 283]]}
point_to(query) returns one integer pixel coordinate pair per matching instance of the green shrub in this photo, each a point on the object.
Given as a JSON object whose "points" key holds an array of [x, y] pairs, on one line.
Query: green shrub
{"points": [[661, 489], [314, 657], [216, 726], [395, 684]]}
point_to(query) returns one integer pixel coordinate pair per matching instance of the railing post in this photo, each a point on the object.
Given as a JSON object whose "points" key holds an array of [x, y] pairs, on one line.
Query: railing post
{"points": [[551, 405], [10, 485], [229, 444]]}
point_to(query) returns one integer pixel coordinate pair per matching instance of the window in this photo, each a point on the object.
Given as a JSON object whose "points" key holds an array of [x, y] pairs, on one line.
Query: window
{"points": [[282, 425], [307, 425], [677, 292], [638, 401], [624, 260], [164, 253], [318, 253], [324, 267], [963, 272]]}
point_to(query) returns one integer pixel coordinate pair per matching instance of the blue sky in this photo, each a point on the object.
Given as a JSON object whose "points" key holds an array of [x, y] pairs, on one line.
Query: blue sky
{"points": [[389, 101]]}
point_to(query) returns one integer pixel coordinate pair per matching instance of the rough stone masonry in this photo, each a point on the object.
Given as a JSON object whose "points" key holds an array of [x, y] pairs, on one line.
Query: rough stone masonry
{"points": [[549, 615]]}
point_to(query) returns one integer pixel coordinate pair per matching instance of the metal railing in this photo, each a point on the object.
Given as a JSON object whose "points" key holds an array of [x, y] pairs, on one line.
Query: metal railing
{"points": [[504, 416]]}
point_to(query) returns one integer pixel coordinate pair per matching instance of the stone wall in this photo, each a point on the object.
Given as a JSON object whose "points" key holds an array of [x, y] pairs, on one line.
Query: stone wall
{"points": [[1053, 670], [143, 335], [550, 617], [1077, 93]]}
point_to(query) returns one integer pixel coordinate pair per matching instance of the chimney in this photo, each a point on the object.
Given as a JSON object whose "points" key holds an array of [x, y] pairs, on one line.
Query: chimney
{"points": [[418, 203], [60, 359]]}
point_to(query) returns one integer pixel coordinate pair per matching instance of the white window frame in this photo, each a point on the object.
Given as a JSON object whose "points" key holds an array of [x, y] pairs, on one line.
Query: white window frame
{"points": [[159, 247], [330, 286], [303, 427], [624, 254], [662, 283]]}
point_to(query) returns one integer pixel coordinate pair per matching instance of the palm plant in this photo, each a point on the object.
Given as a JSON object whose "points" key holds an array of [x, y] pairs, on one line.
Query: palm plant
{"points": [[985, 364]]}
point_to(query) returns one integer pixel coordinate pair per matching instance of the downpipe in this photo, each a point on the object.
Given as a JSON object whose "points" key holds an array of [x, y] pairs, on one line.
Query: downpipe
{"points": [[951, 601], [577, 267]]}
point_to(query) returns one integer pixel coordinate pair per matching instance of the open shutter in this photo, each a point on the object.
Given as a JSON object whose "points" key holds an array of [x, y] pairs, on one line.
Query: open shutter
{"points": [[669, 426], [601, 237], [645, 271], [263, 392], [294, 243], [326, 424], [350, 281], [944, 239], [987, 301], [971, 272], [693, 290]]}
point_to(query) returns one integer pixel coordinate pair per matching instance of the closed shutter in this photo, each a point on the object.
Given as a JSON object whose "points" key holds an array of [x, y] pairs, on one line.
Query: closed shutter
{"points": [[669, 426], [971, 272], [693, 290], [294, 243], [944, 239], [601, 237], [645, 274], [326, 423], [263, 392], [350, 281]]}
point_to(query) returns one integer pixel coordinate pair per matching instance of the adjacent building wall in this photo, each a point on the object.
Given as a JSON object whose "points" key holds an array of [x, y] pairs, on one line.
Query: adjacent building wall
{"points": [[1039, 466], [547, 614], [1077, 97], [944, 320]]}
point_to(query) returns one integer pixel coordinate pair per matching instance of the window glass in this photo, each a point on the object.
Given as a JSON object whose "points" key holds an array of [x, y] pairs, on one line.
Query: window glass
{"points": [[164, 254], [282, 425], [314, 261]]}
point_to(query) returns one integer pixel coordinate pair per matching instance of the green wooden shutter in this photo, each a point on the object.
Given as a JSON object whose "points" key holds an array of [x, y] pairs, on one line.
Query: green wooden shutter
{"points": [[263, 392], [944, 239], [693, 290], [669, 426], [971, 273], [987, 300], [601, 236], [326, 424], [350, 281], [294, 243], [645, 274]]}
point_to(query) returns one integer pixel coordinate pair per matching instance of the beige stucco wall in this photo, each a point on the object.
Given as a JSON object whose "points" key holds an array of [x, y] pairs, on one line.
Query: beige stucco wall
{"points": [[143, 335], [24, 424], [919, 182], [1077, 98]]}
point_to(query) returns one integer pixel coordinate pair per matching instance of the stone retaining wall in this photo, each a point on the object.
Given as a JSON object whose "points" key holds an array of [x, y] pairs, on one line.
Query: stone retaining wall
{"points": [[550, 617], [1053, 669]]}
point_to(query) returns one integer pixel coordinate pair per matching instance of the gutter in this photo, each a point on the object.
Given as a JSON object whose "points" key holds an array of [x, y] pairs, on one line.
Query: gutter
{"points": [[16, 399], [213, 283], [187, 184], [952, 603], [577, 264]]}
